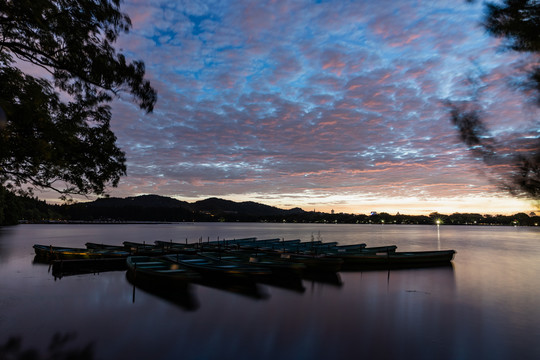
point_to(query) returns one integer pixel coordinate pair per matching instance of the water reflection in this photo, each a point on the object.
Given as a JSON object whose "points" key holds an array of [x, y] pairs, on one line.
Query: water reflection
{"points": [[62, 268], [292, 283], [329, 278], [485, 306], [5, 233], [182, 297], [247, 287], [58, 349], [438, 237], [244, 287]]}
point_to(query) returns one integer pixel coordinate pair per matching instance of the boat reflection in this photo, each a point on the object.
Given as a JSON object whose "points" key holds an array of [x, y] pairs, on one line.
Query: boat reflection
{"points": [[182, 297], [61, 268], [434, 266], [293, 283], [61, 347], [329, 278], [245, 287], [438, 278], [251, 287]]}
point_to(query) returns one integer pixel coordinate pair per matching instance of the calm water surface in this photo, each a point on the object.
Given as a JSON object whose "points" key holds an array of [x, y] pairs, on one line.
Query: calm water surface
{"points": [[486, 306]]}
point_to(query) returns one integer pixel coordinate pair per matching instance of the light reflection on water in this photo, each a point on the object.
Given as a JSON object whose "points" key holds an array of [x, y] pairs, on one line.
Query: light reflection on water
{"points": [[485, 306]]}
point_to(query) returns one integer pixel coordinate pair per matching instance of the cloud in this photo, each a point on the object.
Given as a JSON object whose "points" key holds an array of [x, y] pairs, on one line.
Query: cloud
{"points": [[321, 99]]}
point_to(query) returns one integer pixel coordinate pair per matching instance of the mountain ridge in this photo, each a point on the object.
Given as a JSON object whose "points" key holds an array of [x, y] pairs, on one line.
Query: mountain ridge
{"points": [[163, 208]]}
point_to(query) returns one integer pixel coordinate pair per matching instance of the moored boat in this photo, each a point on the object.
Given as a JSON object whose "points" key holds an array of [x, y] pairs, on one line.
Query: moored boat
{"points": [[66, 267], [56, 252], [379, 249], [277, 266], [295, 246], [135, 246], [406, 259], [100, 246], [338, 250], [218, 268], [314, 263], [145, 249], [155, 270]]}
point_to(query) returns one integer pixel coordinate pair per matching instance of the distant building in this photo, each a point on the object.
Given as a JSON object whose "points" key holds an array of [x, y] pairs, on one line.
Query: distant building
{"points": [[373, 213]]}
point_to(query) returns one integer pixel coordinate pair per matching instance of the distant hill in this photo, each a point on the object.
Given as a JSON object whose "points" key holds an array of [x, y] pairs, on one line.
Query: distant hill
{"points": [[220, 206], [141, 201], [157, 208], [161, 208]]}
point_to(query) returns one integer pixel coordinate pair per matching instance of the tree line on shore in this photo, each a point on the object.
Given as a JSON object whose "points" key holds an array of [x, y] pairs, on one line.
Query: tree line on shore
{"points": [[15, 209], [56, 129]]}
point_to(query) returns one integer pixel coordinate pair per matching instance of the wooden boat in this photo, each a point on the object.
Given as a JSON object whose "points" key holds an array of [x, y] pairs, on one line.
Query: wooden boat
{"points": [[277, 244], [275, 265], [144, 249], [248, 244], [56, 252], [283, 274], [220, 245], [170, 244], [316, 263], [218, 268], [170, 247], [298, 246], [135, 246], [396, 259], [146, 269], [225, 241], [350, 247], [61, 268], [245, 242], [99, 246], [224, 245], [379, 249], [313, 262], [338, 250]]}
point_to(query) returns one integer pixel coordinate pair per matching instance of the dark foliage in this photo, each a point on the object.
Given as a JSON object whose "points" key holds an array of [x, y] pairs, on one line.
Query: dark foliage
{"points": [[14, 208], [54, 131], [58, 349], [155, 208], [518, 23], [160, 208], [215, 205]]}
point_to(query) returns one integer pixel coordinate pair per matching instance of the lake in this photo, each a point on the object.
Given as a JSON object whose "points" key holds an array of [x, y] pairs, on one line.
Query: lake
{"points": [[485, 306]]}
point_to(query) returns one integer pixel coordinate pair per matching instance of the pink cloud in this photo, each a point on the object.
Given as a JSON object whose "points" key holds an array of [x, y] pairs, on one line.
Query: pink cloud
{"points": [[269, 97]]}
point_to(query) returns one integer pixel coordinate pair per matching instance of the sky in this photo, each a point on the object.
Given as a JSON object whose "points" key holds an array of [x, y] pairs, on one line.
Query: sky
{"points": [[323, 105]]}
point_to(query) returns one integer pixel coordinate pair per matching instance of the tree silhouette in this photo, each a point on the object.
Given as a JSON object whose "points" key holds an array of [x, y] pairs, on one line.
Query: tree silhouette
{"points": [[517, 23], [54, 130]]}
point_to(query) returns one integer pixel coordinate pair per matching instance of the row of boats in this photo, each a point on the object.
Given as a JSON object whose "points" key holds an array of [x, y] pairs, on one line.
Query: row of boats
{"points": [[249, 258]]}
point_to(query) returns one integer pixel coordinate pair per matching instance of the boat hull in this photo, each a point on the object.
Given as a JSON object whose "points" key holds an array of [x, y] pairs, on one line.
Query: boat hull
{"points": [[60, 253], [397, 259], [218, 268], [159, 271]]}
